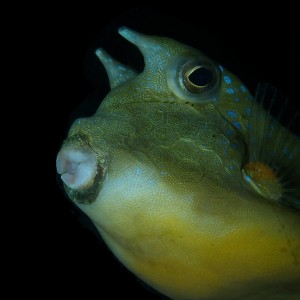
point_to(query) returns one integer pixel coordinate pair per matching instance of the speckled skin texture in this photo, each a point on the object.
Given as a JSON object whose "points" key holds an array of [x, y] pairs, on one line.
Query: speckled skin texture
{"points": [[169, 197]]}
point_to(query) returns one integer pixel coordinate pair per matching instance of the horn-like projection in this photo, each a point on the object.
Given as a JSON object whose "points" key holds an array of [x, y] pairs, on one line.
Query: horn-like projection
{"points": [[117, 72], [148, 45]]}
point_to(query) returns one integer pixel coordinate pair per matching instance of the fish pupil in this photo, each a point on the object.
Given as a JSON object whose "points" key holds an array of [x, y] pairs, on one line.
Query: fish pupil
{"points": [[201, 76]]}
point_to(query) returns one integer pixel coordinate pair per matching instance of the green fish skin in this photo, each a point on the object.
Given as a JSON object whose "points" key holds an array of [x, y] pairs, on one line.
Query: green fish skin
{"points": [[192, 184]]}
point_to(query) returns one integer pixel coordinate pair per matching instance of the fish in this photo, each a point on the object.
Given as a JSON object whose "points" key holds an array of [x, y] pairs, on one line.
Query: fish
{"points": [[191, 181]]}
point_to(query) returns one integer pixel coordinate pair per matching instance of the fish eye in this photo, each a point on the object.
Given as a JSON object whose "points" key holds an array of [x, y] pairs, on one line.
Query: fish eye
{"points": [[197, 78], [194, 80]]}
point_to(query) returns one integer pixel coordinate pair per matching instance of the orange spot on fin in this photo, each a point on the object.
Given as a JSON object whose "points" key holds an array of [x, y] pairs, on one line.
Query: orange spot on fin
{"points": [[259, 171]]}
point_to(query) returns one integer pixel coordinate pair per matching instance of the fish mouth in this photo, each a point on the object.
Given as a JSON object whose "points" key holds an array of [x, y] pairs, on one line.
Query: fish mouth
{"points": [[77, 168], [81, 169]]}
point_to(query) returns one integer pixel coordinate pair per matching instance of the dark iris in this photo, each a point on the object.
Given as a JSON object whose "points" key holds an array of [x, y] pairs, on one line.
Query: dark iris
{"points": [[201, 77]]}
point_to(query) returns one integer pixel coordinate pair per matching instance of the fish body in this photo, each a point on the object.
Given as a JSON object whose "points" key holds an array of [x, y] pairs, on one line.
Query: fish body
{"points": [[189, 180]]}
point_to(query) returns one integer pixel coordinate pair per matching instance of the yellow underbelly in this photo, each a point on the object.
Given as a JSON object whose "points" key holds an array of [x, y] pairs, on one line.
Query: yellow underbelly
{"points": [[199, 241], [184, 262]]}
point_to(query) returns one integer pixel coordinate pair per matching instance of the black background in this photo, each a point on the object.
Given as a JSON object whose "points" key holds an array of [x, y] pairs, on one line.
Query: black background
{"points": [[255, 41]]}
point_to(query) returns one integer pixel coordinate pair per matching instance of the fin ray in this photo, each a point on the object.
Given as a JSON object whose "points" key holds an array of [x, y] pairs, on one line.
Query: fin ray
{"points": [[273, 164]]}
